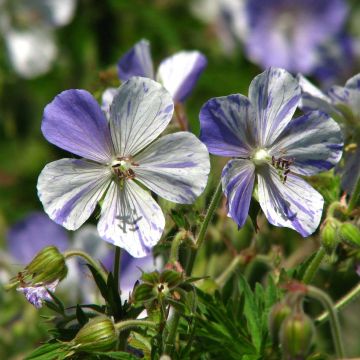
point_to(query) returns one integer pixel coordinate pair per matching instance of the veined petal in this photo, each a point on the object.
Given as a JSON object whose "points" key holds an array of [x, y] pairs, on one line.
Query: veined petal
{"points": [[274, 94], [131, 219], [238, 182], [293, 204], [136, 62], [313, 141], [347, 96], [179, 73], [140, 112], [227, 124], [107, 98], [353, 83], [351, 172], [74, 122], [176, 167], [69, 190]]}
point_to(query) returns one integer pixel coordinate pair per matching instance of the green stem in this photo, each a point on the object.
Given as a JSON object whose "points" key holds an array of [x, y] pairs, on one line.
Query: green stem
{"points": [[345, 300], [337, 205], [238, 260], [126, 324], [117, 262], [171, 337], [175, 245], [354, 197], [325, 299], [71, 253], [313, 266]]}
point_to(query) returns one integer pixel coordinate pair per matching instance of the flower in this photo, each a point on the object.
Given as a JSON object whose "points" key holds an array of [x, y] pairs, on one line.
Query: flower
{"points": [[263, 139], [343, 104], [177, 73], [118, 156], [287, 33], [28, 29]]}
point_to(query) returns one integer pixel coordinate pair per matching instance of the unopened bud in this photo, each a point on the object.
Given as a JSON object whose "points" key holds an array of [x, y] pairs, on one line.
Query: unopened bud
{"points": [[99, 334], [329, 236], [350, 234], [296, 335], [278, 314]]}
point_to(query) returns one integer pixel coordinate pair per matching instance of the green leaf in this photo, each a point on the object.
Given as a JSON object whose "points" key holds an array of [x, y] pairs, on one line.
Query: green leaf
{"points": [[49, 351], [81, 316], [101, 284], [118, 355]]}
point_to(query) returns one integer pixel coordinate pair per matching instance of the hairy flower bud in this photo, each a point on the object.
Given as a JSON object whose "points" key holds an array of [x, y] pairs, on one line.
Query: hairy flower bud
{"points": [[329, 236], [278, 314], [99, 334], [350, 234], [296, 335]]}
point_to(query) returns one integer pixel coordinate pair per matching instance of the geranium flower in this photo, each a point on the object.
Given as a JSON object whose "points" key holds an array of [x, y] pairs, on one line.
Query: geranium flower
{"points": [[118, 156], [342, 103], [267, 144], [177, 73]]}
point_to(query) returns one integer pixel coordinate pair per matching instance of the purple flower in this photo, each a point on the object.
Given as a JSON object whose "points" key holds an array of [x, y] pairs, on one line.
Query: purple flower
{"points": [[342, 103], [287, 33], [263, 139], [37, 294], [177, 73], [28, 236], [118, 156]]}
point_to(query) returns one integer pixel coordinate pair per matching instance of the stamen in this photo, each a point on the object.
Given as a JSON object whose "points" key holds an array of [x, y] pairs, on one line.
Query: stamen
{"points": [[283, 167]]}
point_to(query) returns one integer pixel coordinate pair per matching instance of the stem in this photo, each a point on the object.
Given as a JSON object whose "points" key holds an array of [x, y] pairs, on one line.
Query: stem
{"points": [[354, 197], [126, 324], [117, 261], [170, 339], [334, 320], [238, 260], [337, 205], [175, 245], [71, 253], [345, 300], [313, 266]]}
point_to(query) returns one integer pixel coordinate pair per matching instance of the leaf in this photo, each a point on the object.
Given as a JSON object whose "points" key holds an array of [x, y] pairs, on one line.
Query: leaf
{"points": [[81, 316], [118, 355], [49, 351], [100, 283], [253, 213], [179, 219], [57, 302], [113, 297]]}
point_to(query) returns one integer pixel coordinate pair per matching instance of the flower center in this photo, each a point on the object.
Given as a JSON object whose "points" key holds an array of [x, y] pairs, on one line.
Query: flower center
{"points": [[260, 157], [122, 167]]}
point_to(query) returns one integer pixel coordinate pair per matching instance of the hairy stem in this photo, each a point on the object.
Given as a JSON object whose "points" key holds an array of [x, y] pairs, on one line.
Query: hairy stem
{"points": [[354, 197], [175, 245], [126, 324], [238, 260], [313, 266]]}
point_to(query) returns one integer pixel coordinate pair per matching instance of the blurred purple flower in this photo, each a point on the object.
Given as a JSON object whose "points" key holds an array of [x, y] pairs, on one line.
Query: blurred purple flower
{"points": [[261, 136], [342, 103], [358, 269], [36, 295], [116, 152]]}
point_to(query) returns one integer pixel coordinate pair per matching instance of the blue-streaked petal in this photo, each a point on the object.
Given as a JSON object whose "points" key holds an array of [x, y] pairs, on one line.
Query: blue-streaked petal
{"points": [[293, 204], [353, 83], [179, 73], [348, 97], [227, 125], [74, 122], [313, 141], [69, 190], [136, 62], [131, 219], [238, 182], [351, 172], [176, 167], [274, 94], [32, 233], [107, 98], [140, 112]]}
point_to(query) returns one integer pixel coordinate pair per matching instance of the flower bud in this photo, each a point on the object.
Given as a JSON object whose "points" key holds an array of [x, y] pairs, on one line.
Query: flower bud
{"points": [[99, 334], [278, 314], [350, 234], [296, 335], [329, 237]]}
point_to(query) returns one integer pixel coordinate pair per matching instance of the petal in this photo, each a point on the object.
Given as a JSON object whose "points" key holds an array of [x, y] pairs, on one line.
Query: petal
{"points": [[351, 171], [69, 190], [140, 112], [180, 72], [238, 182], [227, 125], [74, 122], [176, 167], [136, 62], [293, 204], [313, 141], [107, 98], [347, 96], [274, 94], [353, 83], [131, 219]]}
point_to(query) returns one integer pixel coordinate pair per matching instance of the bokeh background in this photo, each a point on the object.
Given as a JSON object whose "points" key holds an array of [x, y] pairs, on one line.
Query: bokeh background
{"points": [[76, 44]]}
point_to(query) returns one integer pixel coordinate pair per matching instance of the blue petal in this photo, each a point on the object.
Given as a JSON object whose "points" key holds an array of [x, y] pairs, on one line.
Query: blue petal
{"points": [[238, 182], [351, 171], [313, 142], [136, 62], [227, 126]]}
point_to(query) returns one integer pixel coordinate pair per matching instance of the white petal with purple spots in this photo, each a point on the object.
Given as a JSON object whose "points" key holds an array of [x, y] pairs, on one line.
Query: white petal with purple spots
{"points": [[275, 95], [238, 182], [131, 219], [69, 190], [348, 97], [140, 112], [293, 204], [312, 141], [176, 167]]}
